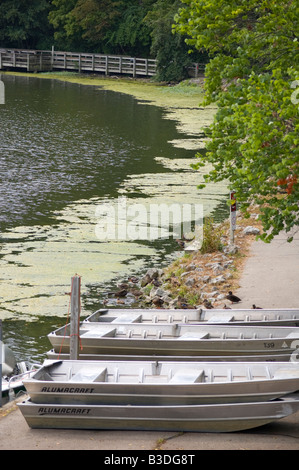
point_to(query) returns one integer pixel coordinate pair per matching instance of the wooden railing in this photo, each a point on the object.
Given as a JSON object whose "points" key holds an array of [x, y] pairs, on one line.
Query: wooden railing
{"points": [[39, 61]]}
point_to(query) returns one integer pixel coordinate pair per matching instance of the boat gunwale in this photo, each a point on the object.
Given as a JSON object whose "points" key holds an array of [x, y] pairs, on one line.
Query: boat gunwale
{"points": [[206, 367]]}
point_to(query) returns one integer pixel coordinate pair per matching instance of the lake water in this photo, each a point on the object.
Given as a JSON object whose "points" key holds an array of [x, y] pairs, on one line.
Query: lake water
{"points": [[65, 150]]}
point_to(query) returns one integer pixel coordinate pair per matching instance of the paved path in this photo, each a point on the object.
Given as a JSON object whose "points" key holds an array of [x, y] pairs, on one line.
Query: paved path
{"points": [[271, 275], [270, 279]]}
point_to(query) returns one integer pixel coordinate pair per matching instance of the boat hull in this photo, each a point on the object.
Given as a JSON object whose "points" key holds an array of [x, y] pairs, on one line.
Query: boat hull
{"points": [[52, 354], [201, 418]]}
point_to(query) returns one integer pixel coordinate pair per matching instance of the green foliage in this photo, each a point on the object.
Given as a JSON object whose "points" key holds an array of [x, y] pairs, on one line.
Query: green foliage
{"points": [[170, 50], [23, 23], [67, 34], [95, 17], [251, 77], [107, 26], [132, 33], [211, 237]]}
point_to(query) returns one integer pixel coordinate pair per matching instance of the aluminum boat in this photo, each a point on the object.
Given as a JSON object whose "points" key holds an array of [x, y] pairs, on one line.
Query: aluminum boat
{"points": [[197, 418], [178, 339], [239, 317], [160, 383]]}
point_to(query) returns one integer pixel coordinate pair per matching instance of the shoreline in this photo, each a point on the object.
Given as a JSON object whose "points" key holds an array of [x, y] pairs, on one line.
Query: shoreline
{"points": [[195, 279]]}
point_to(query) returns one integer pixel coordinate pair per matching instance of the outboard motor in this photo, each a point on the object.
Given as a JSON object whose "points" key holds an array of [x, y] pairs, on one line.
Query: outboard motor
{"points": [[8, 360]]}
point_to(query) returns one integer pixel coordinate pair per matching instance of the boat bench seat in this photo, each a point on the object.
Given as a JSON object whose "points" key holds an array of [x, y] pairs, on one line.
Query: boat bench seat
{"points": [[188, 376], [128, 319], [85, 375], [220, 318], [189, 335], [286, 373], [98, 333]]}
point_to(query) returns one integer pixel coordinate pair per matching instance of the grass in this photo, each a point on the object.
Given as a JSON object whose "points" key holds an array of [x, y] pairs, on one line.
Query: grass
{"points": [[211, 237]]}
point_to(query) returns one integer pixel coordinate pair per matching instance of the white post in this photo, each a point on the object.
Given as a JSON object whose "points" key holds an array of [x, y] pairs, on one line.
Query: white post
{"points": [[74, 318], [233, 216], [2, 92], [1, 359]]}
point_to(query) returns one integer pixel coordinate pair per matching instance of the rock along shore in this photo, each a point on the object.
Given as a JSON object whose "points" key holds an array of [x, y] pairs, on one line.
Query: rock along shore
{"points": [[194, 279]]}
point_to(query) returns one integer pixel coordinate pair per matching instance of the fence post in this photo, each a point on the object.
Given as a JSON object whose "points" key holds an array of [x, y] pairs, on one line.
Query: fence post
{"points": [[52, 57], [134, 67], [75, 317], [107, 66]]}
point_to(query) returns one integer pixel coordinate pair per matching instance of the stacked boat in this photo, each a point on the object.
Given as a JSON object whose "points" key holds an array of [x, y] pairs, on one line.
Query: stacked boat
{"points": [[240, 317], [174, 370]]}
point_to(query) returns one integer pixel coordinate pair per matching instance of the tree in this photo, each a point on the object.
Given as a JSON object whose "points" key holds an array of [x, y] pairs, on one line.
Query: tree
{"points": [[68, 34], [23, 23], [168, 48], [251, 76], [95, 18], [132, 34], [107, 26]]}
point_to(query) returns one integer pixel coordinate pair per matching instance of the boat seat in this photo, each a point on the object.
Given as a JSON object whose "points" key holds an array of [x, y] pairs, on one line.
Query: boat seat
{"points": [[286, 374], [220, 318], [85, 375], [189, 335], [98, 333], [128, 319], [188, 376]]}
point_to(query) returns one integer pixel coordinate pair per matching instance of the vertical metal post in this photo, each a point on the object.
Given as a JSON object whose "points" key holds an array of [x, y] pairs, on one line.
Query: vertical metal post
{"points": [[74, 318], [1, 359], [233, 216]]}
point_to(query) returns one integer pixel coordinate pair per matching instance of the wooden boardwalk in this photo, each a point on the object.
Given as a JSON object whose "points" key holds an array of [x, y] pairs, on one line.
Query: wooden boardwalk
{"points": [[45, 61], [41, 61]]}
